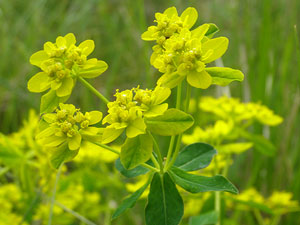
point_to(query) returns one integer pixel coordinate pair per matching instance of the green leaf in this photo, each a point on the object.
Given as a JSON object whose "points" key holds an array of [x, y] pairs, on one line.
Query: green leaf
{"points": [[136, 150], [50, 101], [172, 122], [208, 218], [224, 75], [195, 156], [195, 184], [139, 170], [261, 144], [61, 155], [165, 205], [130, 201], [212, 30]]}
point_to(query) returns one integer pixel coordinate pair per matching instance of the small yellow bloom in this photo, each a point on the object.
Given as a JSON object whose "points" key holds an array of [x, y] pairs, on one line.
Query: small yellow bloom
{"points": [[127, 112], [69, 126], [61, 62]]}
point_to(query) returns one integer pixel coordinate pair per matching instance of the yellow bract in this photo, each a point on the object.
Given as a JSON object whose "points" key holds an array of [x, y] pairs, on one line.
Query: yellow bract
{"points": [[69, 125], [181, 53], [130, 108], [61, 62]]}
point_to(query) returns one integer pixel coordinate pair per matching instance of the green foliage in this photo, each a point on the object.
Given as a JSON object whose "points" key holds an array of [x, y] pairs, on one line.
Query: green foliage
{"points": [[195, 156], [195, 184], [172, 122], [137, 171], [136, 151], [208, 218], [165, 205]]}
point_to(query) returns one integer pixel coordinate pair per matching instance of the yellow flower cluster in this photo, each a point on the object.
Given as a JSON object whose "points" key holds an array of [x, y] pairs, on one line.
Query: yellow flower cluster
{"points": [[280, 202], [68, 126], [182, 53], [232, 109], [130, 108], [61, 63], [10, 196]]}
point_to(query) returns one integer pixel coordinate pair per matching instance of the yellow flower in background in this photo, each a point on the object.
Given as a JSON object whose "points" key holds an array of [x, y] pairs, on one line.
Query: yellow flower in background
{"points": [[211, 134], [232, 109], [61, 63], [69, 126], [281, 202], [127, 112]]}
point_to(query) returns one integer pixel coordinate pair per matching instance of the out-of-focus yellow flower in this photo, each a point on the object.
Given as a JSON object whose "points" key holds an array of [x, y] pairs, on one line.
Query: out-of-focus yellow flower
{"points": [[69, 126], [232, 109], [193, 206], [281, 202], [211, 134], [61, 63], [140, 181]]}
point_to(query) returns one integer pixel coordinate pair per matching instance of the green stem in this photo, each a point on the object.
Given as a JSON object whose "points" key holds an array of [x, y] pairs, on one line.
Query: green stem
{"points": [[170, 150], [75, 214], [218, 206], [178, 99], [94, 90], [188, 97], [276, 220], [259, 217], [157, 151], [155, 162], [53, 194], [118, 153], [175, 152]]}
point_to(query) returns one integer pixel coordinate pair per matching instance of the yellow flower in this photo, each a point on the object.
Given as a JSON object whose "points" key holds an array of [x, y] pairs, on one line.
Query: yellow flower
{"points": [[61, 63], [69, 126], [127, 112], [281, 202]]}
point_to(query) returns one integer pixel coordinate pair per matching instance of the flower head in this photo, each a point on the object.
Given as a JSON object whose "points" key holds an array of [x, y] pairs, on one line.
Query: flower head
{"points": [[130, 108], [69, 126], [61, 62]]}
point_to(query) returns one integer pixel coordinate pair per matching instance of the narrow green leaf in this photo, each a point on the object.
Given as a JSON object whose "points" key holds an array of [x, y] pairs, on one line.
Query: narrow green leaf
{"points": [[50, 101], [136, 150], [139, 170], [195, 156], [61, 155], [165, 205], [194, 183], [208, 218], [224, 75], [130, 201], [172, 122]]}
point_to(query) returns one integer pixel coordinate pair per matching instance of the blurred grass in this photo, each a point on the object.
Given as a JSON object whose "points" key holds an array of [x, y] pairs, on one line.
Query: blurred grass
{"points": [[262, 44]]}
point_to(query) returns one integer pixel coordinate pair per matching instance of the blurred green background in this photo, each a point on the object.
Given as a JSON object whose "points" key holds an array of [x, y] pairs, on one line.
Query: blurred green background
{"points": [[262, 44]]}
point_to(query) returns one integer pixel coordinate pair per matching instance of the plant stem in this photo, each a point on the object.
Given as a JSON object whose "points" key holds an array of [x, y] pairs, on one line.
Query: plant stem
{"points": [[218, 206], [75, 214], [259, 217], [118, 153], [170, 150], [172, 141], [188, 97], [94, 90], [53, 194], [155, 162], [276, 220], [158, 153], [175, 152], [178, 98]]}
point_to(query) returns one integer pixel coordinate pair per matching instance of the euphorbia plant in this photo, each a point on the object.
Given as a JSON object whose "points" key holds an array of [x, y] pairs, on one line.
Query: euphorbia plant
{"points": [[136, 115]]}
